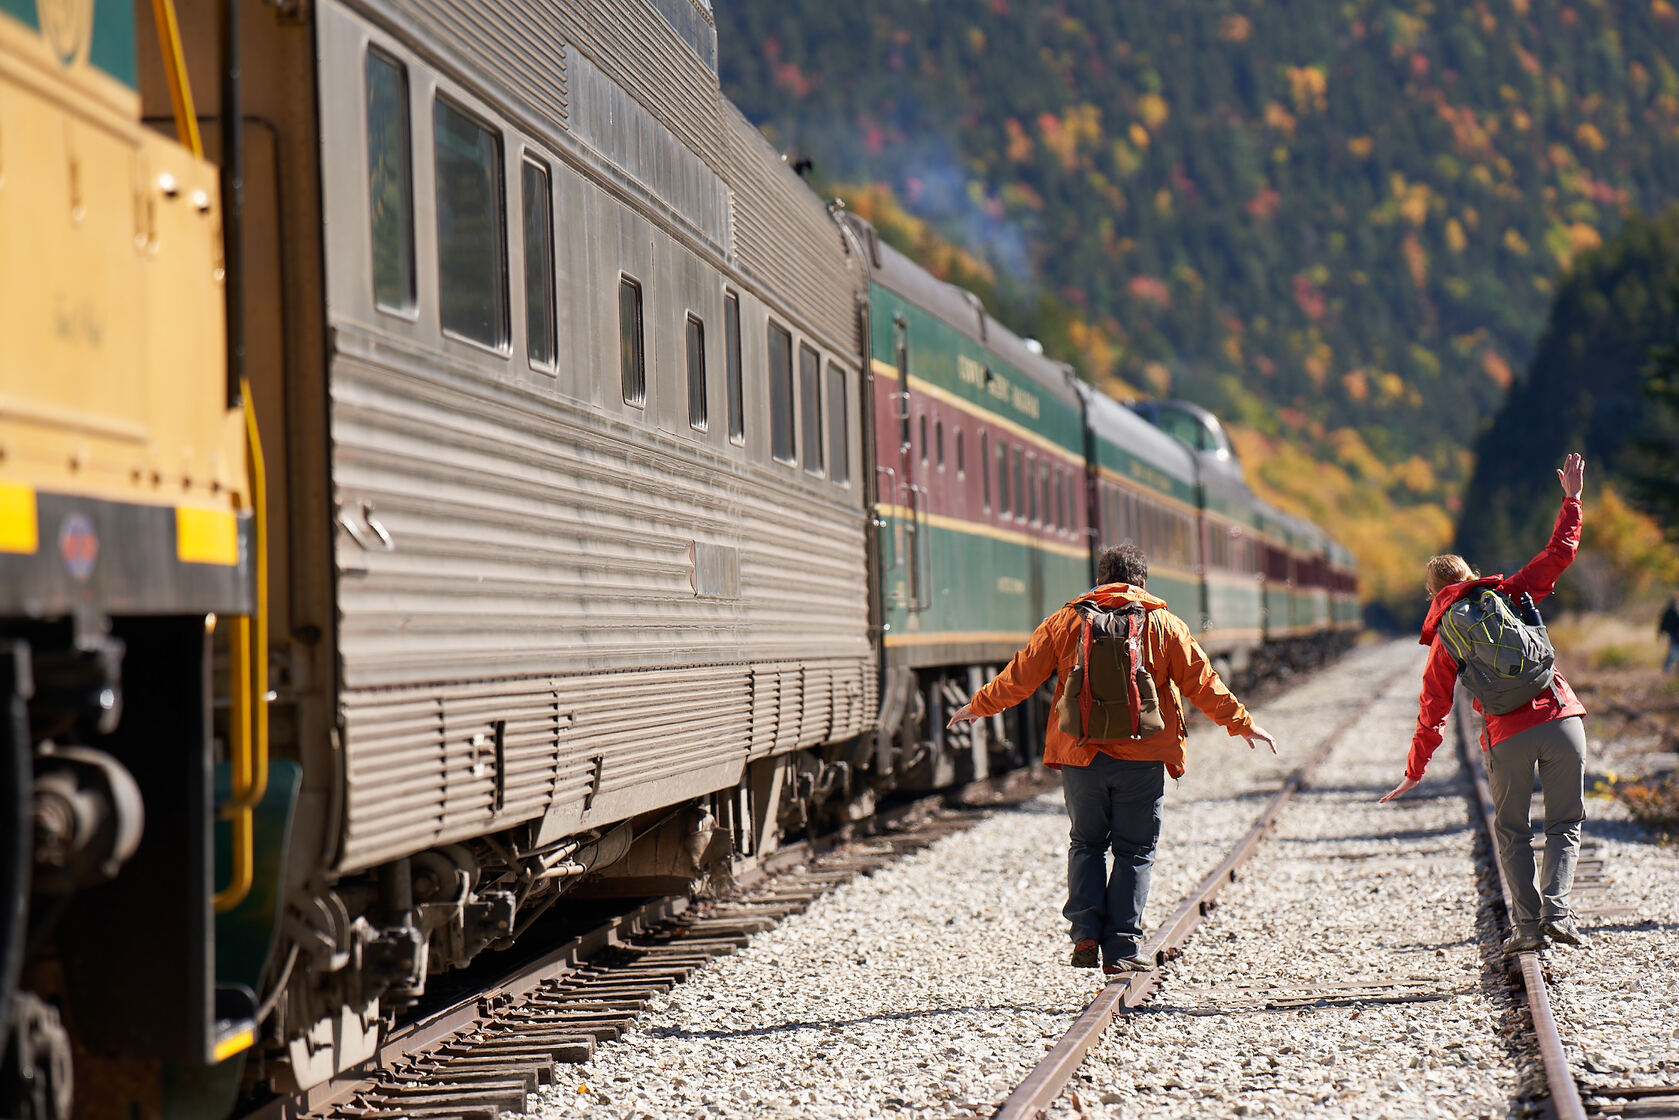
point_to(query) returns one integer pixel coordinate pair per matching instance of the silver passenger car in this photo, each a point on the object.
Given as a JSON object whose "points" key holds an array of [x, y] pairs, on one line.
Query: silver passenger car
{"points": [[595, 425]]}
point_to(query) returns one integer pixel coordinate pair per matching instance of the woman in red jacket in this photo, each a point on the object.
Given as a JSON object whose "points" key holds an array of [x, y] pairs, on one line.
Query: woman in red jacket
{"points": [[1546, 733]]}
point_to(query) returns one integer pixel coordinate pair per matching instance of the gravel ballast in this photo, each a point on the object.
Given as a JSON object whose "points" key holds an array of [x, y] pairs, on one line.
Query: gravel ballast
{"points": [[933, 986], [1616, 1001], [1365, 913]]}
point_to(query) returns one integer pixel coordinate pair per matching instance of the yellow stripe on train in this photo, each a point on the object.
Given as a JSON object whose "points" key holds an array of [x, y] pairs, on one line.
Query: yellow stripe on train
{"points": [[19, 522], [206, 536]]}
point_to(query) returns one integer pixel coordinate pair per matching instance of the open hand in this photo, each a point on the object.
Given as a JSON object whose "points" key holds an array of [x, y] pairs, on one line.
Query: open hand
{"points": [[1572, 475], [964, 714], [1408, 784], [1263, 736]]}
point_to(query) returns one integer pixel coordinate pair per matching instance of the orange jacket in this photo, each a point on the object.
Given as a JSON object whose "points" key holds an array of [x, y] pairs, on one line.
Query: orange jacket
{"points": [[1170, 653]]}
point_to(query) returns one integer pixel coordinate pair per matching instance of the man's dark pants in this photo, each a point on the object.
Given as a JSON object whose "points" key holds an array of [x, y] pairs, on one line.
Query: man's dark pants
{"points": [[1114, 804]]}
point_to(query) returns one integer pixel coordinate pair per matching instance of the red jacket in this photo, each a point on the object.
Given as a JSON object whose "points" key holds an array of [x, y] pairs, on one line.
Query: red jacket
{"points": [[1172, 655], [1537, 577]]}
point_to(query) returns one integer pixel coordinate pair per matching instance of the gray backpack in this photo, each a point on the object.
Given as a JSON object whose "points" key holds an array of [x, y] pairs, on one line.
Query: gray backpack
{"points": [[1503, 654]]}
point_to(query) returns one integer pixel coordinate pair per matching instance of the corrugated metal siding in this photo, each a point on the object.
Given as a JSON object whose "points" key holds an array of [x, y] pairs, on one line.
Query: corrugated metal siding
{"points": [[521, 47], [621, 130], [784, 236], [640, 51], [552, 60], [540, 573]]}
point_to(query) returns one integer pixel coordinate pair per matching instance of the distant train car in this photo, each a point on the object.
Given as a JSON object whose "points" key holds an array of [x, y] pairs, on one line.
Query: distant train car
{"points": [[980, 477], [1145, 493], [1229, 534], [1345, 614]]}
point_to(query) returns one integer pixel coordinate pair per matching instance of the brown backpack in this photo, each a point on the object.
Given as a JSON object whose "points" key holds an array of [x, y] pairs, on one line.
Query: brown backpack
{"points": [[1109, 696]]}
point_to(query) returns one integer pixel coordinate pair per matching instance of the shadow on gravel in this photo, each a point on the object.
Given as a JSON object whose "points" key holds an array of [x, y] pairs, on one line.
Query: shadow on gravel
{"points": [[1645, 925], [1035, 808], [1622, 832], [1400, 834], [1326, 1003], [835, 1024], [1430, 790], [1424, 946]]}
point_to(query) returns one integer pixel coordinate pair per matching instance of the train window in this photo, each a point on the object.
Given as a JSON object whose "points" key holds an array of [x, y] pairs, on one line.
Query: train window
{"points": [[985, 468], [632, 349], [390, 183], [810, 398], [781, 394], [539, 264], [923, 439], [1060, 499], [839, 433], [1022, 483], [696, 373], [1002, 478], [731, 352], [961, 463], [1029, 488], [1043, 489], [938, 440], [471, 227]]}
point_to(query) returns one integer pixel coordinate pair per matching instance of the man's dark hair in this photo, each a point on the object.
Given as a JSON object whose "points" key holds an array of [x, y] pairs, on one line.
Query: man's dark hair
{"points": [[1125, 563]]}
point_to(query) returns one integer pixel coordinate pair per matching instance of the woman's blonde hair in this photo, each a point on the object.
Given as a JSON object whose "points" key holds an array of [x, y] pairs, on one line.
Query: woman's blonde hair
{"points": [[1447, 569]]}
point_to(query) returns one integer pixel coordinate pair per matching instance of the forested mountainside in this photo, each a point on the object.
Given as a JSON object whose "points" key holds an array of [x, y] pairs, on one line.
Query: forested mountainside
{"points": [[1604, 379], [1337, 224]]}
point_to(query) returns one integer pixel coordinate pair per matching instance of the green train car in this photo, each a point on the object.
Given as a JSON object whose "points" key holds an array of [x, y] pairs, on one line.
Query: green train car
{"points": [[999, 477]]}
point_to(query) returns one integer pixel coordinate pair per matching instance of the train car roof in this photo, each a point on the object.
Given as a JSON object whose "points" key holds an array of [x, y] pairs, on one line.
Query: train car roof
{"points": [[1112, 421], [961, 309]]}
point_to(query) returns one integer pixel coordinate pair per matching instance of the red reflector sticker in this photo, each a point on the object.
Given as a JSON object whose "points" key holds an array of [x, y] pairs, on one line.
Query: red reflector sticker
{"points": [[78, 544]]}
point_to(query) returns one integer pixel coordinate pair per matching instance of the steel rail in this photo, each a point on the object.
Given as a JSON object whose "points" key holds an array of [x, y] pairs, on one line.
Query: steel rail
{"points": [[1566, 1100], [1032, 1098]]}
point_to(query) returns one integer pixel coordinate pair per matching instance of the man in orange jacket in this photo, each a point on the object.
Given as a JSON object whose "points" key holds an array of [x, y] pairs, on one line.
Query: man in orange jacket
{"points": [[1114, 791]]}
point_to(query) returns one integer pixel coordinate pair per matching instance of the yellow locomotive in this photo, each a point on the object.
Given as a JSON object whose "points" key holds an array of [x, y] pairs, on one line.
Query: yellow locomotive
{"points": [[129, 565]]}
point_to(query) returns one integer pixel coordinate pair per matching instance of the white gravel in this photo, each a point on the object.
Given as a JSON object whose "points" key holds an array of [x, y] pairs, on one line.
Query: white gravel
{"points": [[1616, 1001], [932, 987], [1376, 902]]}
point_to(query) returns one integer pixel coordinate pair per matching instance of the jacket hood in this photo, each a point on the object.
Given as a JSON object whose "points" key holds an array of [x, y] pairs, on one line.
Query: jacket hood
{"points": [[1449, 596], [1110, 596]]}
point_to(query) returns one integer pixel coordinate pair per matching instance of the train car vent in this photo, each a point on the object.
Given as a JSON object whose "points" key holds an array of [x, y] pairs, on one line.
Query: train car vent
{"points": [[715, 570]]}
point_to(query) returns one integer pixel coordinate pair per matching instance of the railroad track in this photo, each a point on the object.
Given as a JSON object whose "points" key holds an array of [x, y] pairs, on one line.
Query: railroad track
{"points": [[1566, 1097], [1566, 1094], [481, 1056], [1049, 1078]]}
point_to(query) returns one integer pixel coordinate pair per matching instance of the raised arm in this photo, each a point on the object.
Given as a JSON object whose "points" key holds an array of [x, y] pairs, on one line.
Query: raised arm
{"points": [[1539, 575]]}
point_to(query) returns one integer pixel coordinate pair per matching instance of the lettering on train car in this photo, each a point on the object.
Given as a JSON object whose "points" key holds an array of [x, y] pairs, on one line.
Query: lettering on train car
{"points": [[1149, 476], [980, 376], [1010, 585]]}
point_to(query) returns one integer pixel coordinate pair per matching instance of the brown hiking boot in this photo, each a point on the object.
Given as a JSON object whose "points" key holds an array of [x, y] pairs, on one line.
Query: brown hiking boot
{"points": [[1564, 929], [1084, 953], [1134, 963]]}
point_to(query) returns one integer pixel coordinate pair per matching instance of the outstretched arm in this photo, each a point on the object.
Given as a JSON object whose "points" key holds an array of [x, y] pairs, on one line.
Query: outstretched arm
{"points": [[1439, 680], [1194, 673], [1021, 677]]}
